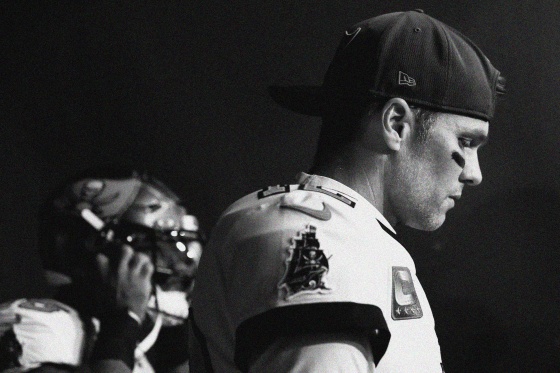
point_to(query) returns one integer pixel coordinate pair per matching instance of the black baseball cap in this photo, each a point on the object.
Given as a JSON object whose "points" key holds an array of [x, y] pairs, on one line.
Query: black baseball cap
{"points": [[408, 55]]}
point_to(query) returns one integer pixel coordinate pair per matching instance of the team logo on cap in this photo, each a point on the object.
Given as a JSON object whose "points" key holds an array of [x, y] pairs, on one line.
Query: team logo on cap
{"points": [[405, 303], [352, 35], [306, 267], [405, 79]]}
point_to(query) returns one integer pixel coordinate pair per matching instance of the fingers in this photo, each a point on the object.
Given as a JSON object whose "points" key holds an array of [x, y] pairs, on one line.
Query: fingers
{"points": [[133, 283], [141, 265], [147, 269], [4, 328], [134, 264], [130, 280], [124, 264], [7, 322]]}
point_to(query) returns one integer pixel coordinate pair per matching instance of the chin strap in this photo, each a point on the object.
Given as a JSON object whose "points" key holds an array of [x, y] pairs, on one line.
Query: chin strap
{"points": [[141, 363], [150, 339], [172, 305]]}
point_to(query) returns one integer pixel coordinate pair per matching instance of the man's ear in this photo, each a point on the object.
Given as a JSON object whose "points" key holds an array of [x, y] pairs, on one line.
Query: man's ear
{"points": [[396, 120]]}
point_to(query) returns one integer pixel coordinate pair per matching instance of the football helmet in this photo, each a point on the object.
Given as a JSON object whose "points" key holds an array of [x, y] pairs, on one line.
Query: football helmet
{"points": [[98, 214]]}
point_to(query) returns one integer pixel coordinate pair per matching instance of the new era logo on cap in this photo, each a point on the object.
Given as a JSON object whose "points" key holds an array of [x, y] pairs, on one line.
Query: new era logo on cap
{"points": [[385, 55], [405, 79]]}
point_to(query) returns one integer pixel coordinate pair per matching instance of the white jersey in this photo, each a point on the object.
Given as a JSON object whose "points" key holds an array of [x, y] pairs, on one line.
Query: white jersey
{"points": [[314, 257], [47, 330], [52, 332]]}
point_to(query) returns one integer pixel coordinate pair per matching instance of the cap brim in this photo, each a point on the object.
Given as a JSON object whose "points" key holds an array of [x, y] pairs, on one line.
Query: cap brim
{"points": [[308, 100]]}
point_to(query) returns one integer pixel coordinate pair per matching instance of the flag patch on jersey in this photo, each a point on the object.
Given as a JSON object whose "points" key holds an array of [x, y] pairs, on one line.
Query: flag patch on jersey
{"points": [[306, 266], [272, 190], [405, 303]]}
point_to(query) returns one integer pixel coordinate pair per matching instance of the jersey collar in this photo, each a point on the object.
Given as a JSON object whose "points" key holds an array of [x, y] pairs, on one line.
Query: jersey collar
{"points": [[316, 180]]}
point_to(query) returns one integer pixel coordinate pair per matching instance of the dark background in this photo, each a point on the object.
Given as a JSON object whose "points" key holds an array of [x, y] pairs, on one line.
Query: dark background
{"points": [[179, 89]]}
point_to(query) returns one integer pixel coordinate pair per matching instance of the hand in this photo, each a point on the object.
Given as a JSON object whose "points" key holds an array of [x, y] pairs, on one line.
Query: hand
{"points": [[131, 284], [4, 327], [7, 319], [10, 348], [6, 324]]}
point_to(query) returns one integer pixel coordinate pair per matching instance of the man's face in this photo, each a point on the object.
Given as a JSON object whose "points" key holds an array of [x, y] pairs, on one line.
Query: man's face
{"points": [[428, 175]]}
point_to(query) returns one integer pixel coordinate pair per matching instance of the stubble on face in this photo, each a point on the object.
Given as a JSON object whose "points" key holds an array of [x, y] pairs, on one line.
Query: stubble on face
{"points": [[415, 190], [424, 174]]}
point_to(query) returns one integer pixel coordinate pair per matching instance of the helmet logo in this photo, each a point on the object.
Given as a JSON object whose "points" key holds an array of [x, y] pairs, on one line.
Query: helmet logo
{"points": [[91, 189]]}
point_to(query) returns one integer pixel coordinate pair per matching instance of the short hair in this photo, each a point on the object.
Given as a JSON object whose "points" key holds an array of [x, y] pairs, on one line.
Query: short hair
{"points": [[426, 118], [340, 127]]}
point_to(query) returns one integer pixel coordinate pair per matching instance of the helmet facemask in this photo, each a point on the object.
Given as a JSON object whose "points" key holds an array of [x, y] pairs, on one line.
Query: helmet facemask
{"points": [[144, 214]]}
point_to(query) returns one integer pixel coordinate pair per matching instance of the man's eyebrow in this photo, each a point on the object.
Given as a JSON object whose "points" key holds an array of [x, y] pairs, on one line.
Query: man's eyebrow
{"points": [[480, 136], [482, 139]]}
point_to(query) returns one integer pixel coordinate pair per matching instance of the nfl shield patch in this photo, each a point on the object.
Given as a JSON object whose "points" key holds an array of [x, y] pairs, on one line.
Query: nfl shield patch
{"points": [[405, 303], [306, 266]]}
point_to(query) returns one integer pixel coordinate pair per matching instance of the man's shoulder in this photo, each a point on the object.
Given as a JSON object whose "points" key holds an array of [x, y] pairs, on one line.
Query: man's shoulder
{"points": [[37, 322], [280, 195], [266, 195], [282, 211]]}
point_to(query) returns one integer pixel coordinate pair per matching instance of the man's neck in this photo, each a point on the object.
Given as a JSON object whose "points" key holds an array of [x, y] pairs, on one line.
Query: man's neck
{"points": [[362, 173]]}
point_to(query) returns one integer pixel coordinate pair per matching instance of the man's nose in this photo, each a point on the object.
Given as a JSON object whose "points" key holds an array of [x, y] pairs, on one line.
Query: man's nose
{"points": [[471, 175]]}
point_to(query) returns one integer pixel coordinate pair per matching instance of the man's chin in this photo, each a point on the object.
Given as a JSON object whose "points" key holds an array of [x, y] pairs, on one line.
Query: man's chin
{"points": [[428, 224]]}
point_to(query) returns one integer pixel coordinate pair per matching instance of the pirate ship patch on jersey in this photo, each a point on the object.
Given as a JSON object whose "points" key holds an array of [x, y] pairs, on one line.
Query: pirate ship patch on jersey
{"points": [[306, 267], [405, 304]]}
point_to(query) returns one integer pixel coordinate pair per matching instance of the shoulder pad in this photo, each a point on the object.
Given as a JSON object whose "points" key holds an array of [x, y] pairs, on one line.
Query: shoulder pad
{"points": [[307, 203], [39, 322]]}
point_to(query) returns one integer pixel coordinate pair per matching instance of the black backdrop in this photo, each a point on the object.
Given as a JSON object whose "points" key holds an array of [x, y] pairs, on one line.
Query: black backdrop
{"points": [[179, 89]]}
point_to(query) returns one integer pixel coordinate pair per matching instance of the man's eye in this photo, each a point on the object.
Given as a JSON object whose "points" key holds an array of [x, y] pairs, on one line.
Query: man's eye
{"points": [[465, 142]]}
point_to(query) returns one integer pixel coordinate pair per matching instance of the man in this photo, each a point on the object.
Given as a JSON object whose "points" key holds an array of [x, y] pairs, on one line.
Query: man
{"points": [[308, 277], [123, 252]]}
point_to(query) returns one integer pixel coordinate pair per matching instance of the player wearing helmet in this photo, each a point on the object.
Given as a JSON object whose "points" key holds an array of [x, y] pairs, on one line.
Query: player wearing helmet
{"points": [[123, 252]]}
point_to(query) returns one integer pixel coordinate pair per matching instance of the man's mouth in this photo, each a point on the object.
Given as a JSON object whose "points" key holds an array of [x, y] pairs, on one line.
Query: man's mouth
{"points": [[455, 197]]}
